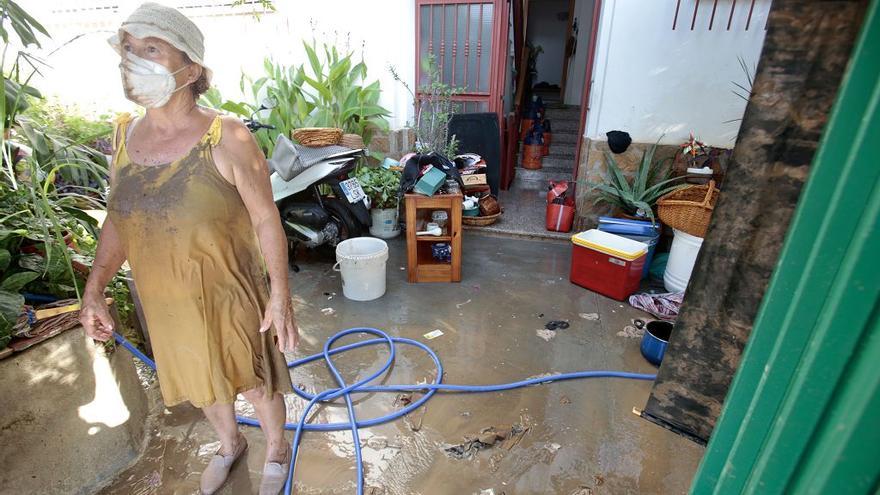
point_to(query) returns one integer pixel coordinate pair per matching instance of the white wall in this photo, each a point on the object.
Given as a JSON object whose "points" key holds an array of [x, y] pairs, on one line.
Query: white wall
{"points": [[546, 30], [574, 86], [85, 72], [650, 80]]}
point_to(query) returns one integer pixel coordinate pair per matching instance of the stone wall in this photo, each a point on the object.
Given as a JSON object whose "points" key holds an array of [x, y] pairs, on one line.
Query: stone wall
{"points": [[394, 143]]}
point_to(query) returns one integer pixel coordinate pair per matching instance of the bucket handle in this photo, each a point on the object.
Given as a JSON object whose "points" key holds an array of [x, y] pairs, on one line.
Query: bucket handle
{"points": [[336, 267]]}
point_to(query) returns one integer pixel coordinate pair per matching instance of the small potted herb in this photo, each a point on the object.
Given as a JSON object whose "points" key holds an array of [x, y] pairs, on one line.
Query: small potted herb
{"points": [[381, 185]]}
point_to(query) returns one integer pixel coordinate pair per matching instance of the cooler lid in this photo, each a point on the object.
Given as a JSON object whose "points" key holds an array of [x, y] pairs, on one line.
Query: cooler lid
{"points": [[611, 244]]}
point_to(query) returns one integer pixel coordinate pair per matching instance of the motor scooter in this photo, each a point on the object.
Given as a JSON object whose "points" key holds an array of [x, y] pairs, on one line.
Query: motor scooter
{"points": [[319, 203]]}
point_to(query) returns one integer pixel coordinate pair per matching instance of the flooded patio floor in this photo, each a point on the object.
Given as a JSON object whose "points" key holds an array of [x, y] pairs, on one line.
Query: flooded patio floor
{"points": [[581, 436]]}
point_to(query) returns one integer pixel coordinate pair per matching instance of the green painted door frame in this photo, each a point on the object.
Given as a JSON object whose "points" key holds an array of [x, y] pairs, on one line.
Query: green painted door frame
{"points": [[803, 412]]}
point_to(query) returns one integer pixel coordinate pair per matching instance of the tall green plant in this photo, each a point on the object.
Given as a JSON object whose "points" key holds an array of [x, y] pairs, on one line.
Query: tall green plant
{"points": [[637, 197], [435, 107], [340, 93]]}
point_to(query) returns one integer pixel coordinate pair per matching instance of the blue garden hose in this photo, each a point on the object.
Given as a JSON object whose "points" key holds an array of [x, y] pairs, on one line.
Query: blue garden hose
{"points": [[362, 387]]}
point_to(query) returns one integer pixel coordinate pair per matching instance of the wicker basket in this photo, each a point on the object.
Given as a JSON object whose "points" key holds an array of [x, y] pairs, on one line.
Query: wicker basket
{"points": [[480, 221], [689, 209], [353, 141], [317, 136]]}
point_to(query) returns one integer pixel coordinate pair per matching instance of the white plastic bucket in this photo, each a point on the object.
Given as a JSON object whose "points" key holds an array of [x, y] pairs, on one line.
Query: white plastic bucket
{"points": [[361, 262], [682, 256], [385, 223]]}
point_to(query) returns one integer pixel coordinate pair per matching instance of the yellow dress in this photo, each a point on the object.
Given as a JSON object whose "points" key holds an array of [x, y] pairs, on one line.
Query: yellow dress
{"points": [[199, 273]]}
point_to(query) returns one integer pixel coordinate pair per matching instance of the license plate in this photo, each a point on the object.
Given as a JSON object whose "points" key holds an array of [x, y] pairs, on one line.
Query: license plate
{"points": [[352, 190]]}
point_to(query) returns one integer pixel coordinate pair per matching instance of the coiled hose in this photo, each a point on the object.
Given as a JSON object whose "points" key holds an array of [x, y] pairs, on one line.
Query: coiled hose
{"points": [[362, 387]]}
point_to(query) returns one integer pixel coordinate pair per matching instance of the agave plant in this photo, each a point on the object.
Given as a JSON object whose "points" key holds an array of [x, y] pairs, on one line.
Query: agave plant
{"points": [[652, 180]]}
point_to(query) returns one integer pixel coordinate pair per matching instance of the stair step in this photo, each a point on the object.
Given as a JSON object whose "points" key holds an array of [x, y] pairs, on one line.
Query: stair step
{"points": [[565, 113], [564, 138], [564, 125], [539, 178]]}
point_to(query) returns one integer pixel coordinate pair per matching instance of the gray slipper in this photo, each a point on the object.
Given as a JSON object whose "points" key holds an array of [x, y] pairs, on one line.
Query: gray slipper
{"points": [[275, 475], [217, 470]]}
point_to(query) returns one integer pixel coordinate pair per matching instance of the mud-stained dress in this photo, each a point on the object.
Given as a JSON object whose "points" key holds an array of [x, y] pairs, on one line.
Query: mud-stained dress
{"points": [[199, 273]]}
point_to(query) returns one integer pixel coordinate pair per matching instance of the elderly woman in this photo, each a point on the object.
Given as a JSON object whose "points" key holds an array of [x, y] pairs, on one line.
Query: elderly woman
{"points": [[191, 210]]}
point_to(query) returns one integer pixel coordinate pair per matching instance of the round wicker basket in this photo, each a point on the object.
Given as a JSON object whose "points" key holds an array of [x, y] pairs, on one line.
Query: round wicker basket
{"points": [[481, 221], [689, 209], [353, 141], [317, 136]]}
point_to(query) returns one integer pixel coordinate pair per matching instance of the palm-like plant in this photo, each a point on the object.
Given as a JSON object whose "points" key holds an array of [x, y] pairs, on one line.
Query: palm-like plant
{"points": [[637, 197]]}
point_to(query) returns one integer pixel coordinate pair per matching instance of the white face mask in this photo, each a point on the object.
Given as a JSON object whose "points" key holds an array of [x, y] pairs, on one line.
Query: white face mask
{"points": [[147, 83]]}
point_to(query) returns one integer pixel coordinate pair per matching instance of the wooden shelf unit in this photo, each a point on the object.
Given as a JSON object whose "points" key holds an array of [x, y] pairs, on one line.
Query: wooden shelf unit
{"points": [[421, 265]]}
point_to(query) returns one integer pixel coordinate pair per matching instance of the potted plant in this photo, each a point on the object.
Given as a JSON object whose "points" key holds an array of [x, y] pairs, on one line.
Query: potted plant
{"points": [[381, 186], [637, 197]]}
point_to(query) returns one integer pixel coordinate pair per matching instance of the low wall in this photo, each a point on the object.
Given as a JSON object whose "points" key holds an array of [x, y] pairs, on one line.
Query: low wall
{"points": [[393, 144], [71, 416]]}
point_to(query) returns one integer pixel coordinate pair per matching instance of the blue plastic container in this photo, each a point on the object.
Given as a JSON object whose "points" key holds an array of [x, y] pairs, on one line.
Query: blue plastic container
{"points": [[636, 230], [655, 340]]}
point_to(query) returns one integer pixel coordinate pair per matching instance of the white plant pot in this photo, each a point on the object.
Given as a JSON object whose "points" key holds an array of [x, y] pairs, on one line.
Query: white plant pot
{"points": [[682, 256], [386, 223]]}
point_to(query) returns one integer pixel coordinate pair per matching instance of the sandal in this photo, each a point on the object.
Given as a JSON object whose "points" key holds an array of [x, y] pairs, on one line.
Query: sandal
{"points": [[275, 475]]}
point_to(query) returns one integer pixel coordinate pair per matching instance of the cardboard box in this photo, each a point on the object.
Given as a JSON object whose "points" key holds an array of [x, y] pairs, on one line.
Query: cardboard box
{"points": [[474, 179]]}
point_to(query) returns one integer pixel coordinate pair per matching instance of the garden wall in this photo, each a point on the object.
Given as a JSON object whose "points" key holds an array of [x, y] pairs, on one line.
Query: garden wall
{"points": [[72, 417]]}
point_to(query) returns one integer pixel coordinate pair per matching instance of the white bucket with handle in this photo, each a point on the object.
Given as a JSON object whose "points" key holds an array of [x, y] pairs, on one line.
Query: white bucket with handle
{"points": [[361, 262]]}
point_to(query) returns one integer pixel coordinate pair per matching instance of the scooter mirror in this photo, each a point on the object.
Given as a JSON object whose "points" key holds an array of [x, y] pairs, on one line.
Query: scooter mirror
{"points": [[269, 103]]}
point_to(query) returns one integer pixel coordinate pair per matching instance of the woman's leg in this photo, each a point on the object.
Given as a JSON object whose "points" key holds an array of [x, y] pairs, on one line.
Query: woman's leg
{"points": [[222, 418], [272, 414]]}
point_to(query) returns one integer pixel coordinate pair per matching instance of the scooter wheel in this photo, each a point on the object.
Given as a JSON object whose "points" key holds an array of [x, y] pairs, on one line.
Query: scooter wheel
{"points": [[348, 225]]}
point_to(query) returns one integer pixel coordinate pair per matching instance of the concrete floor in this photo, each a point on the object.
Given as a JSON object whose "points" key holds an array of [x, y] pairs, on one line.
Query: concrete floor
{"points": [[583, 437]]}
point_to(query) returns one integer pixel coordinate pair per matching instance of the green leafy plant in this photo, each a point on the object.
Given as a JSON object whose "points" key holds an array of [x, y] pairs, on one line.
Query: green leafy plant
{"points": [[341, 95], [381, 185], [637, 197], [333, 92], [435, 107]]}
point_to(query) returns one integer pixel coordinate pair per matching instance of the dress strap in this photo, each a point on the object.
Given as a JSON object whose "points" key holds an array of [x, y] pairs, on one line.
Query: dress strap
{"points": [[212, 137], [120, 129]]}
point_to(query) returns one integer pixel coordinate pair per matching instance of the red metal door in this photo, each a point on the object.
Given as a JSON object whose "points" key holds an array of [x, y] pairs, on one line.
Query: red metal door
{"points": [[467, 38]]}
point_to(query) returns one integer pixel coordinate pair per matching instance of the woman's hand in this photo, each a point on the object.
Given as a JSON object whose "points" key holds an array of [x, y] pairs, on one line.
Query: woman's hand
{"points": [[280, 314], [95, 318]]}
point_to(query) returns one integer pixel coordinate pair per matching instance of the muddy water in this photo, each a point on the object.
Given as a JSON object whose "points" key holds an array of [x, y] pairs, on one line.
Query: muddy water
{"points": [[582, 437]]}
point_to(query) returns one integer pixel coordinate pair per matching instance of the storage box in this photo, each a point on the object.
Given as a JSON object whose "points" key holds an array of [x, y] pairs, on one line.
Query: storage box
{"points": [[607, 263], [430, 182], [636, 230], [474, 179]]}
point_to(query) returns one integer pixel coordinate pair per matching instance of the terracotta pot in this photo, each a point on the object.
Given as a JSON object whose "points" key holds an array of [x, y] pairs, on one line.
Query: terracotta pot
{"points": [[533, 156]]}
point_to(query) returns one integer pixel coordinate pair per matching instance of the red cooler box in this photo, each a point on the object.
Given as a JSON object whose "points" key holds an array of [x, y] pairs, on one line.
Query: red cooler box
{"points": [[606, 263]]}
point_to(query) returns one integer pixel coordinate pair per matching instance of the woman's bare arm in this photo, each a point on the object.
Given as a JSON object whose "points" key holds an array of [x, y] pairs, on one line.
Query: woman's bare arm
{"points": [[238, 152], [94, 316]]}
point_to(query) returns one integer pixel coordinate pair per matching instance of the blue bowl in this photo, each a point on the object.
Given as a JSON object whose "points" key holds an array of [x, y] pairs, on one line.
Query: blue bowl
{"points": [[655, 340]]}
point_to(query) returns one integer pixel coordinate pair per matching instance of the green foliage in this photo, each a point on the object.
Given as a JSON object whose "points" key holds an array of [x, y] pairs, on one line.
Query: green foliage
{"points": [[49, 176], [381, 185], [434, 109], [69, 123], [651, 181], [331, 92]]}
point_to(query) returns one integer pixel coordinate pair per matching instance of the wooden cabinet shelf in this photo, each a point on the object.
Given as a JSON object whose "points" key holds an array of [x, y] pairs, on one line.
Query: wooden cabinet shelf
{"points": [[421, 265]]}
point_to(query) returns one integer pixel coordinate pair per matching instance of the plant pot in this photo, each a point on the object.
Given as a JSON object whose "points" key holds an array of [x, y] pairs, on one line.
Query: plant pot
{"points": [[386, 223], [533, 156]]}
